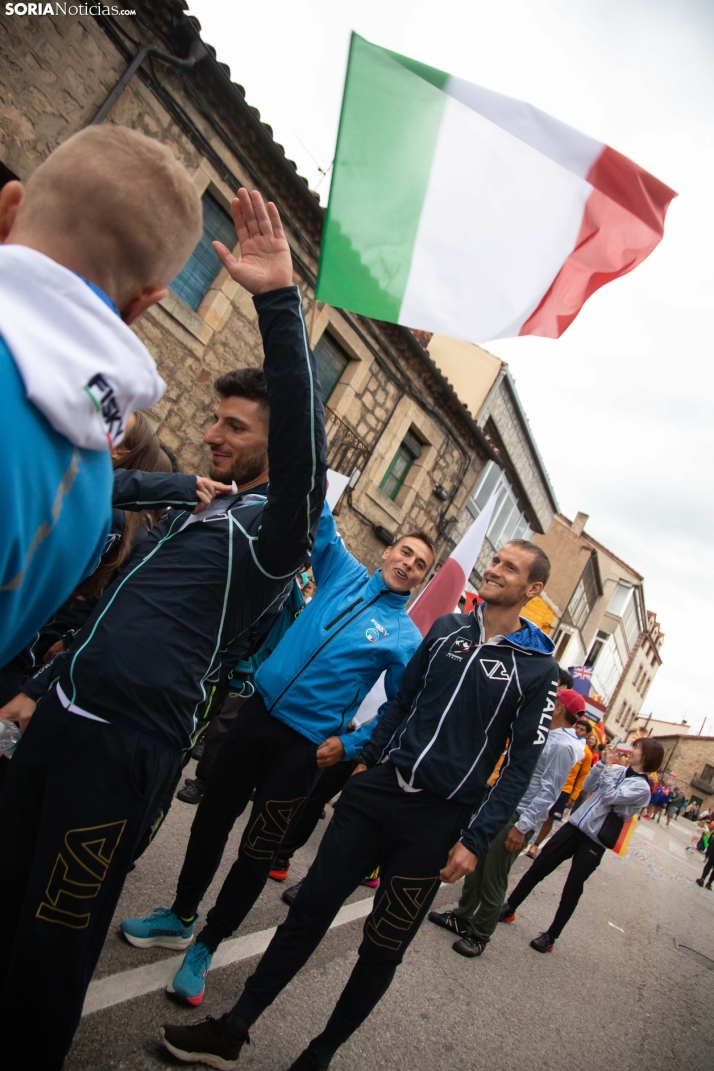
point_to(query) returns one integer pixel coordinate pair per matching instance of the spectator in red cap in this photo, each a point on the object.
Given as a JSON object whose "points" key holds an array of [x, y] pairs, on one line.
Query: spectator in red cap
{"points": [[572, 701]]}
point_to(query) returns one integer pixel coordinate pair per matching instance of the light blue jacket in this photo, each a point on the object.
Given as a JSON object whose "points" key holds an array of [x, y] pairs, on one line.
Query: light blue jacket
{"points": [[353, 630], [56, 513]]}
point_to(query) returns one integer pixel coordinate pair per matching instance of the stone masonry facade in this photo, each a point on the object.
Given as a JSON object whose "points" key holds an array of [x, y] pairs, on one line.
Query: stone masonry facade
{"points": [[686, 758], [55, 72]]}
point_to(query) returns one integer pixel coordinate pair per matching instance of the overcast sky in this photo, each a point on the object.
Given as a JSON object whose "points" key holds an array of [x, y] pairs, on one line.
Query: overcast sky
{"points": [[621, 405]]}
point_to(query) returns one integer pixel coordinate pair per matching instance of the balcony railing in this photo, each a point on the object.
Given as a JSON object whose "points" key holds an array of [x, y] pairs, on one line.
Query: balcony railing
{"points": [[346, 451]]}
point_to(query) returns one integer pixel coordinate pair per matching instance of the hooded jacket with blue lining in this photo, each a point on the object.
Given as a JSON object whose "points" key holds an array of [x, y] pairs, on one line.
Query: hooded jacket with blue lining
{"points": [[57, 483], [352, 631], [462, 697]]}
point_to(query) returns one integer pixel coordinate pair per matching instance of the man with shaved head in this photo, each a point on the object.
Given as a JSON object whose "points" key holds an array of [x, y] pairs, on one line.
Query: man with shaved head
{"points": [[91, 242]]}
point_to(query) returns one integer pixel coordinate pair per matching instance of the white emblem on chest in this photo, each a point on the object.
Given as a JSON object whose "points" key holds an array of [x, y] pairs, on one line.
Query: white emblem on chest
{"points": [[495, 670]]}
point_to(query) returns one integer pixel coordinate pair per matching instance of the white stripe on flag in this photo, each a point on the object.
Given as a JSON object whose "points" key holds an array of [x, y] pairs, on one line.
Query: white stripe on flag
{"points": [[562, 143], [491, 200]]}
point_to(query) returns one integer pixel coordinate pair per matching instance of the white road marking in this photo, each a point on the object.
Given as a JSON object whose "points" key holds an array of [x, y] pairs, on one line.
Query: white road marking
{"points": [[106, 992], [683, 861], [683, 830], [644, 831]]}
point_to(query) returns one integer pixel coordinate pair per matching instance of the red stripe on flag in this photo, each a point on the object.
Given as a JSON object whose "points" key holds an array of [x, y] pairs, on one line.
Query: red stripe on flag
{"points": [[622, 223], [631, 187], [440, 596]]}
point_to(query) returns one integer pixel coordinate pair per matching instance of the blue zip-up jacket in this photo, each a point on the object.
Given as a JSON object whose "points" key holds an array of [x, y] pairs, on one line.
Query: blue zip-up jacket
{"points": [[56, 513], [353, 630]]}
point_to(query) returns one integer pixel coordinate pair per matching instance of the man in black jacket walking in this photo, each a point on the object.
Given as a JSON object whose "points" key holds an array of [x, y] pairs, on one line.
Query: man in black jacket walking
{"points": [[121, 704], [419, 808]]}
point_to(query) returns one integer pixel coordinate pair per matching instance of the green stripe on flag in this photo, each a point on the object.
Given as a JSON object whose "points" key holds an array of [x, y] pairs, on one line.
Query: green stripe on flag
{"points": [[391, 113], [429, 74]]}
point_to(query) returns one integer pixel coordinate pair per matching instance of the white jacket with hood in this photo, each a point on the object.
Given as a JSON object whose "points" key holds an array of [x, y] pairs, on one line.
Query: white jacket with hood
{"points": [[612, 790]]}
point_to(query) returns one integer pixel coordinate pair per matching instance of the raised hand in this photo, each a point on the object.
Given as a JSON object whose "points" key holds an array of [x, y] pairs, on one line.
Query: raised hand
{"points": [[265, 262]]}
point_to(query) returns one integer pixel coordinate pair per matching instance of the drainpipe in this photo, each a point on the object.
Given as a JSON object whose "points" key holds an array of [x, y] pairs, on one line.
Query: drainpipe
{"points": [[196, 52]]}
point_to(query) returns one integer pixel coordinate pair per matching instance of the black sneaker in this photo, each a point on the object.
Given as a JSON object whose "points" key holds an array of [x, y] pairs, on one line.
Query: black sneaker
{"points": [[207, 1042], [289, 895], [700, 882], [544, 943], [448, 921], [308, 1061], [507, 914], [469, 946], [192, 793], [197, 752]]}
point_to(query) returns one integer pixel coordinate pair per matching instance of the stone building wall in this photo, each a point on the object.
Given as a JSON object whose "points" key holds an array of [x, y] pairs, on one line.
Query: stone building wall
{"points": [[55, 72], [569, 554], [685, 757]]}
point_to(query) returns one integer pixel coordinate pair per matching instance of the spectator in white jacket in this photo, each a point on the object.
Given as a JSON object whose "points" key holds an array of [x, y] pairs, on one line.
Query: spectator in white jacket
{"points": [[618, 793]]}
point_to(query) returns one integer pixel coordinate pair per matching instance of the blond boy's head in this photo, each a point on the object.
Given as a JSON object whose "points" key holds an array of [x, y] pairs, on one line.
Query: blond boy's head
{"points": [[113, 205]]}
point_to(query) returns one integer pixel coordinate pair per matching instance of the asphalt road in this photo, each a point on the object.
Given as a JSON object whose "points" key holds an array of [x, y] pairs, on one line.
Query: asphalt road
{"points": [[616, 992]]}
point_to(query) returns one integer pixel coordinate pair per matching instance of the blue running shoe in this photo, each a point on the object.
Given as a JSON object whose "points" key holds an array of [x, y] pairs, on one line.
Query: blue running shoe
{"points": [[190, 980], [163, 928]]}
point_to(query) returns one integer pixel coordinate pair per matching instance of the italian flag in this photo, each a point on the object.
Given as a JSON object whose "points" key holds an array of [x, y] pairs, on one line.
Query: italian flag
{"points": [[457, 210]]}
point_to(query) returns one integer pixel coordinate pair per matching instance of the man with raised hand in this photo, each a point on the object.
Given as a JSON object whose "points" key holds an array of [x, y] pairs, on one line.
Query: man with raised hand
{"points": [[103, 744], [419, 806], [299, 722]]}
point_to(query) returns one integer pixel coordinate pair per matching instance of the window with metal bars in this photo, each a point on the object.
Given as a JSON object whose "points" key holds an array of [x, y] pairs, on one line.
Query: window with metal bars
{"points": [[331, 362], [194, 281], [407, 453]]}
